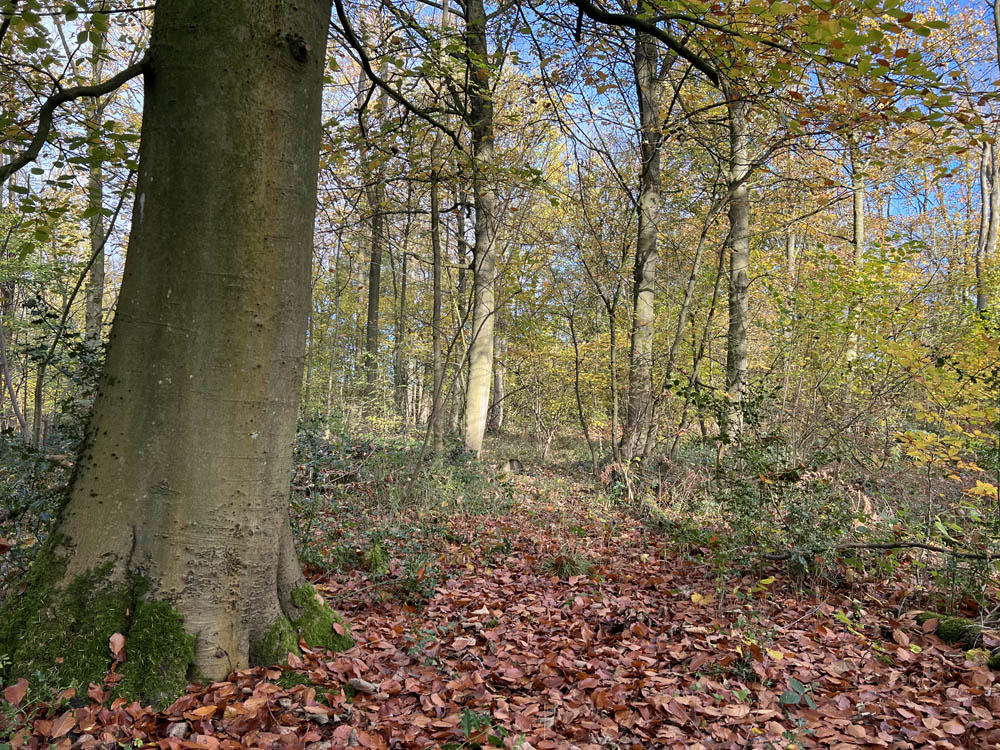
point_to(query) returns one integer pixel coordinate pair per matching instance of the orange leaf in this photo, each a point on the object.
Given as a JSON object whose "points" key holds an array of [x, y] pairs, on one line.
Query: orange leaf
{"points": [[117, 643], [63, 724], [16, 692]]}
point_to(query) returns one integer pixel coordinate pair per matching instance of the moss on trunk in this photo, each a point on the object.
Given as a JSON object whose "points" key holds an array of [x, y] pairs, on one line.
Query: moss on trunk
{"points": [[314, 623], [62, 630]]}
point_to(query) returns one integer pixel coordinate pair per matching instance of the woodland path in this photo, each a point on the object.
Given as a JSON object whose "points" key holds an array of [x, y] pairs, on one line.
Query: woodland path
{"points": [[652, 648]]}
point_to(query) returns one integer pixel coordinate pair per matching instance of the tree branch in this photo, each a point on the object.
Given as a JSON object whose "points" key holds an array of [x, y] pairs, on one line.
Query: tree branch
{"points": [[638, 24], [357, 46], [45, 114]]}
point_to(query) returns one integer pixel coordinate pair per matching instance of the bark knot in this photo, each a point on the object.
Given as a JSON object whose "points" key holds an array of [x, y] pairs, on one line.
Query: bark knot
{"points": [[298, 46]]}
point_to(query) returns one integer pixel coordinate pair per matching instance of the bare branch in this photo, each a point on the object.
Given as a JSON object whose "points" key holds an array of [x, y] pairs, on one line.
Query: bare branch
{"points": [[45, 114]]}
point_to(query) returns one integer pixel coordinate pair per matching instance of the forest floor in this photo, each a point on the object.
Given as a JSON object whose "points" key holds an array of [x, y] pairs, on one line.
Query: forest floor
{"points": [[560, 623]]}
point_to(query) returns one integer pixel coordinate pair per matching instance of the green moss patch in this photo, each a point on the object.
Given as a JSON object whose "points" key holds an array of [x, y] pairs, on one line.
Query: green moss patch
{"points": [[314, 624], [275, 645], [63, 632], [954, 630], [158, 654]]}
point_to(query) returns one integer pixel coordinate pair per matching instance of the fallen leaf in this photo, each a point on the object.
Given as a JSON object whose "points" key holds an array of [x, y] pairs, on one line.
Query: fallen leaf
{"points": [[117, 645], [16, 692]]}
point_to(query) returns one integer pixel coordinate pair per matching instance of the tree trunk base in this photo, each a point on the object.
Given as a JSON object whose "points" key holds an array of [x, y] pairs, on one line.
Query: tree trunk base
{"points": [[61, 628]]}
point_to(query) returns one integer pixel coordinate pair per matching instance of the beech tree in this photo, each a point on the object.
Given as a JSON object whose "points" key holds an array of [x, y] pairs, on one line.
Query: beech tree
{"points": [[175, 533]]}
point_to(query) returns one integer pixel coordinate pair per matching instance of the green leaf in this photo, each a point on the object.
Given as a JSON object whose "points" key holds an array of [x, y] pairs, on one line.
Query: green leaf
{"points": [[790, 698]]}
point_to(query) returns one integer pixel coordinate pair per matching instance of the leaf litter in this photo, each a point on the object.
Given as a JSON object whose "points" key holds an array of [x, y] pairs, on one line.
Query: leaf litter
{"points": [[649, 649]]}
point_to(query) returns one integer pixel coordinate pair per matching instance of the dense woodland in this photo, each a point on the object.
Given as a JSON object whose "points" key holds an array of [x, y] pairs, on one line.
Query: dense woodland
{"points": [[622, 374]]}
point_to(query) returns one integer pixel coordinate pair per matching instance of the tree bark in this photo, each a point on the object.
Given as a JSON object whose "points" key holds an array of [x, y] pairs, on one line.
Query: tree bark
{"points": [[458, 388], [477, 397], [738, 245], [985, 215], [857, 242], [640, 385], [437, 365], [495, 416], [375, 195], [94, 315], [184, 481]]}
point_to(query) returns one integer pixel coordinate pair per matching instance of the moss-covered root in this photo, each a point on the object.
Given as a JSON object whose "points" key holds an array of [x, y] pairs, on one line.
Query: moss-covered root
{"points": [[62, 631], [159, 654], [314, 624], [954, 630]]}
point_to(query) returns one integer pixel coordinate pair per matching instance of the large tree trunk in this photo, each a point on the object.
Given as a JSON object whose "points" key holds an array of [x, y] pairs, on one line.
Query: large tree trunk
{"points": [[176, 530], [477, 397], [738, 245], [640, 384]]}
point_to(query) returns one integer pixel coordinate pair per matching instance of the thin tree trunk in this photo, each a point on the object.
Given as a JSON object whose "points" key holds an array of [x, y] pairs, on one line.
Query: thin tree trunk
{"points": [[437, 365], [8, 383], [94, 315], [985, 215], [307, 385], [477, 398], [495, 418], [613, 367], [579, 396], [640, 385], [858, 242], [375, 195], [458, 389], [738, 245]]}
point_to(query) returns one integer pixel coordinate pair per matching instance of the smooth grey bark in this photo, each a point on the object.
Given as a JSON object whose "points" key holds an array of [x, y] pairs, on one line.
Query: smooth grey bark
{"points": [[648, 90], [461, 293], [185, 476], [738, 246], [477, 396]]}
